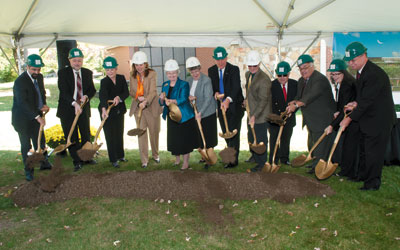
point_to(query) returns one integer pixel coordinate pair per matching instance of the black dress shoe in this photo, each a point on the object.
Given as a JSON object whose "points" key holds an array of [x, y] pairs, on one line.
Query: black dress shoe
{"points": [[308, 166], [286, 162], [91, 162], [77, 167], [255, 169], [45, 165], [202, 161], [353, 179], [230, 165], [206, 166], [250, 160], [311, 171], [364, 188], [123, 159], [115, 164]]}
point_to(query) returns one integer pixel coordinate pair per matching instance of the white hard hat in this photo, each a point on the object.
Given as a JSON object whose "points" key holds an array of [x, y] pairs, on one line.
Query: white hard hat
{"points": [[253, 58], [139, 57], [192, 62], [171, 65]]}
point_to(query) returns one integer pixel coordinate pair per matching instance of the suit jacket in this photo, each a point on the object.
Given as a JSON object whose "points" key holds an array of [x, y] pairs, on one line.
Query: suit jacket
{"points": [[375, 108], [232, 86], [205, 101], [25, 101], [66, 86], [149, 92], [180, 92], [319, 107], [278, 100], [347, 93], [109, 90], [259, 96]]}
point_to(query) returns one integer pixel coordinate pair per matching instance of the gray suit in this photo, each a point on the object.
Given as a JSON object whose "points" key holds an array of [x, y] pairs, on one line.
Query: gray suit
{"points": [[318, 111], [205, 101]]}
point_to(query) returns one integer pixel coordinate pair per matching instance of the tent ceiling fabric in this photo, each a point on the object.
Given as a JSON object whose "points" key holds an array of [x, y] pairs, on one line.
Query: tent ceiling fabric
{"points": [[193, 23]]}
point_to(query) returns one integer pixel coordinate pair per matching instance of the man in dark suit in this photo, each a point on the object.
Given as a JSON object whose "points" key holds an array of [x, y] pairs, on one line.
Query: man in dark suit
{"points": [[283, 91], [225, 79], [29, 104], [314, 97], [76, 86], [374, 111]]}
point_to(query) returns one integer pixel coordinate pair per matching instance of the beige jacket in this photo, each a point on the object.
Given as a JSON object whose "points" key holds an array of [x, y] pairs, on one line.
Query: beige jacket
{"points": [[150, 93], [259, 96]]}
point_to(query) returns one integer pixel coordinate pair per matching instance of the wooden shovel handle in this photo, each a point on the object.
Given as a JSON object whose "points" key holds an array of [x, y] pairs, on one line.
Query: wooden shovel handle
{"points": [[40, 133], [277, 143], [74, 123], [317, 143], [199, 124], [110, 105], [335, 143], [251, 126], [224, 115]]}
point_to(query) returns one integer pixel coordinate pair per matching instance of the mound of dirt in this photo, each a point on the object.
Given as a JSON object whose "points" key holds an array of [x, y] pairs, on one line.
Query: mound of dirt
{"points": [[172, 185]]}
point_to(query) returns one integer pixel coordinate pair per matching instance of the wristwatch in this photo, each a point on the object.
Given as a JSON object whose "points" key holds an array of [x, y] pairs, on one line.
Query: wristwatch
{"points": [[295, 104]]}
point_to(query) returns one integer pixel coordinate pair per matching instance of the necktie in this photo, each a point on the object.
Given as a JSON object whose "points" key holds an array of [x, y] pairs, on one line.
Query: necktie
{"points": [[336, 92], [40, 101], [358, 75], [79, 88], [221, 82], [284, 92]]}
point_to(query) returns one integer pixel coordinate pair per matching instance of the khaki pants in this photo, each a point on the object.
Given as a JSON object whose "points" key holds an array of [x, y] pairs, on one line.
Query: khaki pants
{"points": [[152, 126]]}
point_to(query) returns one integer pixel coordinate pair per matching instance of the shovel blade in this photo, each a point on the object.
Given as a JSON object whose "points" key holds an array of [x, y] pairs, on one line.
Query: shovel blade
{"points": [[275, 168], [212, 157], [267, 168], [326, 172], [228, 155], [136, 131], [258, 148]]}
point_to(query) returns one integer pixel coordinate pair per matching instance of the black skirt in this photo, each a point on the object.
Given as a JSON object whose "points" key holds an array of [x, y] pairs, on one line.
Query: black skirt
{"points": [[209, 125], [182, 138]]}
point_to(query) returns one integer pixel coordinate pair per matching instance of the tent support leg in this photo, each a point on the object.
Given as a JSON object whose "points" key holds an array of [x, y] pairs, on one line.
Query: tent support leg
{"points": [[241, 37], [309, 46], [51, 43], [8, 59]]}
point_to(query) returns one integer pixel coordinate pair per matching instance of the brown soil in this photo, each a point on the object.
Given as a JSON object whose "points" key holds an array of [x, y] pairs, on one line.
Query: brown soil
{"points": [[209, 189]]}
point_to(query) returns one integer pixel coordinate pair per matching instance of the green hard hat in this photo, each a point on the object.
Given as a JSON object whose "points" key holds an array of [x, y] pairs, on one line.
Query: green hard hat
{"points": [[35, 60], [75, 52], [110, 62], [283, 68], [219, 53], [353, 50], [337, 65], [304, 59]]}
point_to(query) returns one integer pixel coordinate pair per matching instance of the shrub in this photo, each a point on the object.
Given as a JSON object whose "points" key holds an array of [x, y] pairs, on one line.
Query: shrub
{"points": [[55, 135]]}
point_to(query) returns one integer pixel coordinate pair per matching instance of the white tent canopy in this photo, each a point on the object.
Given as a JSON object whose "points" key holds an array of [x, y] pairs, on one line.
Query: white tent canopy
{"points": [[189, 23]]}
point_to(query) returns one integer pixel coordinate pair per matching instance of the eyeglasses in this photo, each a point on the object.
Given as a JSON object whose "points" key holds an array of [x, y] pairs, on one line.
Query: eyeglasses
{"points": [[282, 75], [306, 67], [252, 66], [336, 74]]}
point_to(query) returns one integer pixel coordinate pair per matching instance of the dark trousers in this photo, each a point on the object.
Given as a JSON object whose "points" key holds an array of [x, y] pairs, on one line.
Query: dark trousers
{"points": [[27, 135], [350, 151], [234, 122], [284, 148], [372, 155], [114, 133], [83, 125], [261, 131], [323, 149]]}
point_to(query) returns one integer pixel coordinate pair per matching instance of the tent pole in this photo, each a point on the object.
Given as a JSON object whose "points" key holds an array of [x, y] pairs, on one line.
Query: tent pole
{"points": [[48, 46], [241, 36], [8, 59], [310, 12], [309, 46], [33, 6], [266, 13]]}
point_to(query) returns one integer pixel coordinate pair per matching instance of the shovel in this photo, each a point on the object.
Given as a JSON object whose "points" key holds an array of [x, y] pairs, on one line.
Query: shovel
{"points": [[87, 152], [303, 159], [324, 170], [63, 147], [258, 148], [37, 156], [137, 131], [228, 134], [207, 154]]}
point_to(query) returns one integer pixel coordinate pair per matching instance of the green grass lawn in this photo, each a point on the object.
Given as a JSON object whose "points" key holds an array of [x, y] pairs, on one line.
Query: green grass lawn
{"points": [[351, 219]]}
